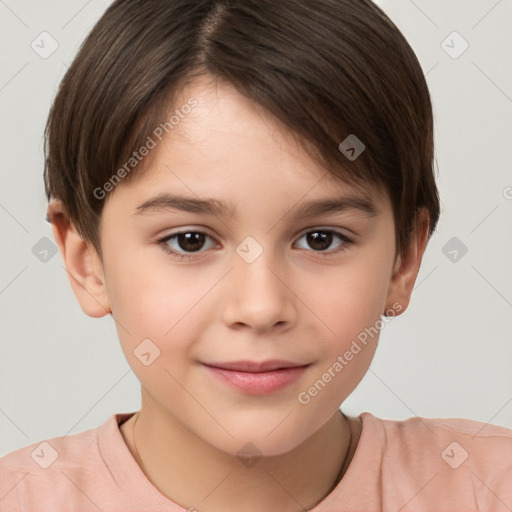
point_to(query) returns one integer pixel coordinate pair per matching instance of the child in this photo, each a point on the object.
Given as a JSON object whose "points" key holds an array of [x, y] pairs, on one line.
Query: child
{"points": [[262, 129]]}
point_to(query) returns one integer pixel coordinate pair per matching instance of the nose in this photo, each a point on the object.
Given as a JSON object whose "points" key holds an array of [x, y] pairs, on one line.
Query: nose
{"points": [[258, 295]]}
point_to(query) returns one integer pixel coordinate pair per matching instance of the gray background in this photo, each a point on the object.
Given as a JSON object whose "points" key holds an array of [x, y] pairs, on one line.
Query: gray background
{"points": [[449, 355]]}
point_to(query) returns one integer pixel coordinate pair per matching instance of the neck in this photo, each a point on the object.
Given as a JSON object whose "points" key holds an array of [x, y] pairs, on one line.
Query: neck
{"points": [[193, 473]]}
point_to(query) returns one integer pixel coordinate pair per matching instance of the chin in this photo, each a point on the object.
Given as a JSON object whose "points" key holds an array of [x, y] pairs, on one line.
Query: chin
{"points": [[255, 448], [258, 441]]}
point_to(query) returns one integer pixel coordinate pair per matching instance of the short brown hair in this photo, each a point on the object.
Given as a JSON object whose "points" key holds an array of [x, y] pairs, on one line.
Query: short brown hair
{"points": [[325, 69]]}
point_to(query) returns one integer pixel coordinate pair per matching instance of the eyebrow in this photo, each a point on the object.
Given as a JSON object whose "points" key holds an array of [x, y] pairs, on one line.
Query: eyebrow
{"points": [[165, 202]]}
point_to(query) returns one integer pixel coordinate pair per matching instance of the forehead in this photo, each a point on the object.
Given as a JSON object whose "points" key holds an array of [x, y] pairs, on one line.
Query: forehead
{"points": [[227, 142]]}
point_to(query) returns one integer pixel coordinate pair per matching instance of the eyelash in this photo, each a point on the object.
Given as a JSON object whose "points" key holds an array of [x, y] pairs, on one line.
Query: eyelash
{"points": [[162, 242]]}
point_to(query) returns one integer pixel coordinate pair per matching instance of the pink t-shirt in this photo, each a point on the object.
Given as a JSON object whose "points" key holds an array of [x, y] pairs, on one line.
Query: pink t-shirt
{"points": [[415, 465]]}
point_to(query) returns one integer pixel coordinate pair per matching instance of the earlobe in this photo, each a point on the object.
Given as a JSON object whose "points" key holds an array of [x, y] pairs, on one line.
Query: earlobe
{"points": [[406, 268], [83, 265]]}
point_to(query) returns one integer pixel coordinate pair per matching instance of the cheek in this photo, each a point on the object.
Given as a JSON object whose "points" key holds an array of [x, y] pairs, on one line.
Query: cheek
{"points": [[149, 301], [151, 294], [350, 298], [349, 303], [159, 317]]}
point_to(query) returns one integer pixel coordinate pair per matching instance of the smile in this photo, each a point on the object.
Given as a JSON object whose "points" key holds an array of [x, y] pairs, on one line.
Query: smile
{"points": [[257, 378]]}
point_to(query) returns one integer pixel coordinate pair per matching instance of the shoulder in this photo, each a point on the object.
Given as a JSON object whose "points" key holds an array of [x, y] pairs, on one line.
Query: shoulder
{"points": [[54, 453], [449, 438], [460, 455], [438, 430], [40, 471], [460, 425]]}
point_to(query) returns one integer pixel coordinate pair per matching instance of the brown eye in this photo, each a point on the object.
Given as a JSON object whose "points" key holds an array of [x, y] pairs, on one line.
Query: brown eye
{"points": [[184, 244], [192, 241], [321, 239]]}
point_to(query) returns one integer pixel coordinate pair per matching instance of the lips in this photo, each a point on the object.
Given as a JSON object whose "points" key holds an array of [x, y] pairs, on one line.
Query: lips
{"points": [[255, 367], [257, 378]]}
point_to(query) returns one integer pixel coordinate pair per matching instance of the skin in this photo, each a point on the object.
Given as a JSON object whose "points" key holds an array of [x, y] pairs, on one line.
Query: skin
{"points": [[296, 301]]}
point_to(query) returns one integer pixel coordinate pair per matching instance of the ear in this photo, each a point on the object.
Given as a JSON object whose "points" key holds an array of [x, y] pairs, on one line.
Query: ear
{"points": [[83, 265], [406, 267]]}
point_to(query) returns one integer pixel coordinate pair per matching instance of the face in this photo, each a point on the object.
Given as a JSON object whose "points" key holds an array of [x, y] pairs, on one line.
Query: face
{"points": [[260, 279]]}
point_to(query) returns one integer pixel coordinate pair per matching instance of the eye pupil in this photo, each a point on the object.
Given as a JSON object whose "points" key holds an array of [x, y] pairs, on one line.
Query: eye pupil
{"points": [[190, 241], [323, 238]]}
